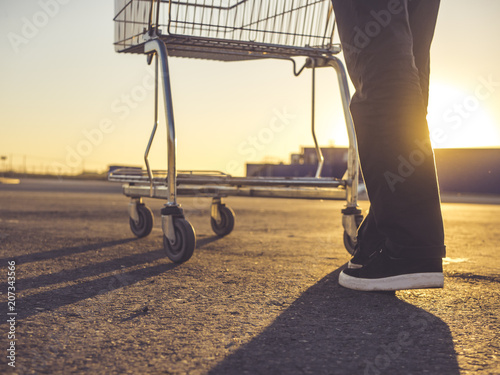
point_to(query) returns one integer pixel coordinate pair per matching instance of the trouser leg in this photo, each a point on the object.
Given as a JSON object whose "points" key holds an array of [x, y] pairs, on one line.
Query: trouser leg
{"points": [[369, 237], [389, 111], [423, 17]]}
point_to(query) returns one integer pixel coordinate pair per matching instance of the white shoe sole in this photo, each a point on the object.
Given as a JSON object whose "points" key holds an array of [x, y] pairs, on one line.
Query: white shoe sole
{"points": [[400, 282]]}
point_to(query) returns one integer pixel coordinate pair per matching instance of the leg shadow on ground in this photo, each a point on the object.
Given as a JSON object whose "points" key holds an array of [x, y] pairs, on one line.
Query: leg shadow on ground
{"points": [[332, 330]]}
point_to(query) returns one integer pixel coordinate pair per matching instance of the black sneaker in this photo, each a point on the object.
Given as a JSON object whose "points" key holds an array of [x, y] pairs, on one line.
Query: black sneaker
{"points": [[384, 273], [360, 257]]}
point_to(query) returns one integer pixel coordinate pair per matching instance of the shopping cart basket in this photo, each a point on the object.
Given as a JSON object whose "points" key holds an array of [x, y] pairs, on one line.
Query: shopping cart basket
{"points": [[228, 30]]}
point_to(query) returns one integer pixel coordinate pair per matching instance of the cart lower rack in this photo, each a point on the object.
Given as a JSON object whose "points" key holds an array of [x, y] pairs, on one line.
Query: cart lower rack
{"points": [[228, 30]]}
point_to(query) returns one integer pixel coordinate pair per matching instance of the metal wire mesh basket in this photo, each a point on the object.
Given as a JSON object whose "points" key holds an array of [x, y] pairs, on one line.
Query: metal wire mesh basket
{"points": [[216, 29]]}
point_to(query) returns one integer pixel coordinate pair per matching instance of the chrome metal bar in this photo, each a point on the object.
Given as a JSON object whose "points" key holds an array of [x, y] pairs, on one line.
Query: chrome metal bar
{"points": [[352, 156], [161, 192], [150, 22], [159, 47], [263, 181], [155, 126], [219, 49], [319, 154], [201, 5], [187, 179], [158, 5]]}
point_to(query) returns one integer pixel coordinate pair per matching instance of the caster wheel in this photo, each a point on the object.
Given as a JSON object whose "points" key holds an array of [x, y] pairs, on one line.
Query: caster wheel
{"points": [[226, 224], [349, 242], [143, 226], [185, 241]]}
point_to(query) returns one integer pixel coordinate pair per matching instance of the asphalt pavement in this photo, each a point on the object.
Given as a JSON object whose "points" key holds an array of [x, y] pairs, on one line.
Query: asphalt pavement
{"points": [[90, 298]]}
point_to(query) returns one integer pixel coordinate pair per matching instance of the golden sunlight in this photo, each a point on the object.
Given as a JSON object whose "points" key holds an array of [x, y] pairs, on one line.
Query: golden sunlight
{"points": [[459, 119]]}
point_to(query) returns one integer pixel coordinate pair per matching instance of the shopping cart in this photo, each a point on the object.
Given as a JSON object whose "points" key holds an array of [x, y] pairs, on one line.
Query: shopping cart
{"points": [[228, 30]]}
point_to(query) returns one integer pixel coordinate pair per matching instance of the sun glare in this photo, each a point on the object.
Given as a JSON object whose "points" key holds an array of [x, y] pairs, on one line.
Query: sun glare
{"points": [[459, 119]]}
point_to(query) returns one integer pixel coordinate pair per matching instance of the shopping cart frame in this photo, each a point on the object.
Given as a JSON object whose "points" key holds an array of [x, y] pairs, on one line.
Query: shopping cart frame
{"points": [[179, 236]]}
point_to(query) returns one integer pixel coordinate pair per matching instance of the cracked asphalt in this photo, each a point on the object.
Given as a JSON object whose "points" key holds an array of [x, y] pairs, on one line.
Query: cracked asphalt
{"points": [[91, 298]]}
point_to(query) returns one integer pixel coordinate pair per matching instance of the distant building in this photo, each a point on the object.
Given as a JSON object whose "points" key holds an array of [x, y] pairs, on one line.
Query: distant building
{"points": [[459, 170], [304, 164], [469, 170]]}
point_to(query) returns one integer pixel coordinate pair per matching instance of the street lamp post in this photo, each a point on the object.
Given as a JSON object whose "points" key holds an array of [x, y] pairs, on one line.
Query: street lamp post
{"points": [[4, 162]]}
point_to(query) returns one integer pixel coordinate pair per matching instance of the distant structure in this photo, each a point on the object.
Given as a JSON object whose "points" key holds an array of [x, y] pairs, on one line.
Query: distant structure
{"points": [[469, 170], [304, 164], [460, 170]]}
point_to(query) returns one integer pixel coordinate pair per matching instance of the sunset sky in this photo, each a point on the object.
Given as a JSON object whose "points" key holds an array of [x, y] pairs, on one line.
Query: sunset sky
{"points": [[64, 88]]}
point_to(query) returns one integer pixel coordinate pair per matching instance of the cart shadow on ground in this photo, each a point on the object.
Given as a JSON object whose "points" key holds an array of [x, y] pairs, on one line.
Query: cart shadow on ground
{"points": [[67, 295], [80, 290], [333, 330], [203, 240], [65, 251]]}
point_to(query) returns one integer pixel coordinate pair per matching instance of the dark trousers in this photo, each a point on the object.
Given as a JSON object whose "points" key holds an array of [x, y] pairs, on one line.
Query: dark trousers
{"points": [[386, 48]]}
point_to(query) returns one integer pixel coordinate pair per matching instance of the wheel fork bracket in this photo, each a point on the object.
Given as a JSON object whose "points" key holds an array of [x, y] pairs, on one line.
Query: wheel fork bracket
{"points": [[132, 209], [168, 215], [215, 209], [350, 216]]}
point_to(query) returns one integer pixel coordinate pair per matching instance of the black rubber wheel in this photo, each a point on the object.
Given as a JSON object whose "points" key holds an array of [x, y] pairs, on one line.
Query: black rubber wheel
{"points": [[144, 225], [349, 243], [185, 242], [226, 224]]}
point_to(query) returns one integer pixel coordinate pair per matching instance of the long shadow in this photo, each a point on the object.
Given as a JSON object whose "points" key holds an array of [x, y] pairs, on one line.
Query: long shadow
{"points": [[93, 269], [51, 254], [200, 242], [53, 299], [332, 330]]}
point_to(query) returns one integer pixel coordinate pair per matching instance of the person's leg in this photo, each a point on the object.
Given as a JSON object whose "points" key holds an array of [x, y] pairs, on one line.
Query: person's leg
{"points": [[389, 113], [423, 17], [350, 16], [369, 240]]}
